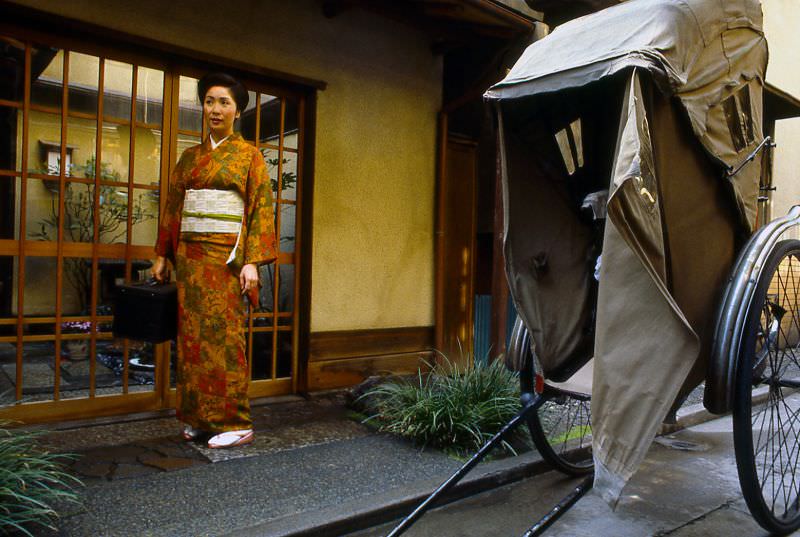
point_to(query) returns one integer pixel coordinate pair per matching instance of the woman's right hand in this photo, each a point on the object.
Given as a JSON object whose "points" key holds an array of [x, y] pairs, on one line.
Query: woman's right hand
{"points": [[159, 270]]}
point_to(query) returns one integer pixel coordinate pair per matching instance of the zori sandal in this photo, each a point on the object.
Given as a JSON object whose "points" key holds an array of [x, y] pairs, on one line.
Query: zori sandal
{"points": [[230, 439], [190, 433]]}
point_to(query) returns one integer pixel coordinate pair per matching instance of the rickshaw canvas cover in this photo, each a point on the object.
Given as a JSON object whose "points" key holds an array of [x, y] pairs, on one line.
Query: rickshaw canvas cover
{"points": [[652, 332]]}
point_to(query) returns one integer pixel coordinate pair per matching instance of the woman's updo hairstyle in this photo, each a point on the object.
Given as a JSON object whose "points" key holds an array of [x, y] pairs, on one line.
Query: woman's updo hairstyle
{"points": [[238, 91]]}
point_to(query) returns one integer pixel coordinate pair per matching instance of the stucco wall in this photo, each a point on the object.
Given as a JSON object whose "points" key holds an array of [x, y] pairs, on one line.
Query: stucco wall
{"points": [[781, 21], [376, 137]]}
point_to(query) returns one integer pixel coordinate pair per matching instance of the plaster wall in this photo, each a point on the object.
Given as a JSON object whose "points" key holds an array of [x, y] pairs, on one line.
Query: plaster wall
{"points": [[375, 138], [781, 21]]}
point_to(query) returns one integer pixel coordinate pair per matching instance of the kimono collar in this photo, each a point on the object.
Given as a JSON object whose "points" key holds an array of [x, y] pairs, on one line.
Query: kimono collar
{"points": [[214, 144]]}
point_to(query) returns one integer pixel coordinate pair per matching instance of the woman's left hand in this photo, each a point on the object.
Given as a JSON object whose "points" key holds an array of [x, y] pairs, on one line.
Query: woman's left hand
{"points": [[248, 278]]}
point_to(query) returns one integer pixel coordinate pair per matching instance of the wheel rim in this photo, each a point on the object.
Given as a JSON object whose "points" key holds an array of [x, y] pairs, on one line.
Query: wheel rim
{"points": [[775, 420], [565, 422], [561, 428]]}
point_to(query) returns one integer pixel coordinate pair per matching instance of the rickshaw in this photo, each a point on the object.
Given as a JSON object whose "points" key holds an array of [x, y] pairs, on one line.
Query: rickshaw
{"points": [[631, 147]]}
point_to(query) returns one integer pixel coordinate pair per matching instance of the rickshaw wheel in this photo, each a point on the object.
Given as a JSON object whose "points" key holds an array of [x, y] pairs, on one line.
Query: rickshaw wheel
{"points": [[560, 429], [765, 420]]}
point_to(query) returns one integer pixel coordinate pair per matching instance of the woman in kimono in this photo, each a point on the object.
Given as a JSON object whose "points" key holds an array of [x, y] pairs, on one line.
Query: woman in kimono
{"points": [[216, 229]]}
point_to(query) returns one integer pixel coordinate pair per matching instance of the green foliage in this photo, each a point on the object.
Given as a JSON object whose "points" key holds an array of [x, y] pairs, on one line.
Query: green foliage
{"points": [[288, 179], [32, 482], [453, 408]]}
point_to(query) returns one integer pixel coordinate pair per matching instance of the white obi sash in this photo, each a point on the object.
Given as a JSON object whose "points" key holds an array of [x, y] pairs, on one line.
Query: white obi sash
{"points": [[213, 211]]}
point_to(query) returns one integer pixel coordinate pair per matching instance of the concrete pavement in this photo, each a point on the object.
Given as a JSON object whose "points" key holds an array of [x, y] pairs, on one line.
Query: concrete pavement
{"points": [[315, 472], [687, 487]]}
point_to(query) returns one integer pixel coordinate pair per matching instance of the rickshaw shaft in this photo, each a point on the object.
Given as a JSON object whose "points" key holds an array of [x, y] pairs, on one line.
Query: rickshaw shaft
{"points": [[562, 507], [530, 404]]}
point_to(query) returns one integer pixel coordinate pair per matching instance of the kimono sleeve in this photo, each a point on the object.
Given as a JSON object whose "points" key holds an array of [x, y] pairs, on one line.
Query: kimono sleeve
{"points": [[260, 244], [169, 225]]}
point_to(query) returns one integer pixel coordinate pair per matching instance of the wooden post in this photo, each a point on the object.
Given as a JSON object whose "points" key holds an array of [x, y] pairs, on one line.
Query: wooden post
{"points": [[500, 293], [438, 238]]}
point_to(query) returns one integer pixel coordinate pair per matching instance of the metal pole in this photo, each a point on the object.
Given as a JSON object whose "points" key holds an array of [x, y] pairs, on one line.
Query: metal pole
{"points": [[562, 507], [530, 403]]}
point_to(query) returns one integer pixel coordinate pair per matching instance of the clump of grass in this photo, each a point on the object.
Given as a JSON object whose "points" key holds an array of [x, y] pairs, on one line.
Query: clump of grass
{"points": [[451, 407], [32, 482]]}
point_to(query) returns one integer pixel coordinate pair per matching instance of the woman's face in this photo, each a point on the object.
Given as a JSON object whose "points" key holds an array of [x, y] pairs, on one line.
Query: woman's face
{"points": [[220, 111]]}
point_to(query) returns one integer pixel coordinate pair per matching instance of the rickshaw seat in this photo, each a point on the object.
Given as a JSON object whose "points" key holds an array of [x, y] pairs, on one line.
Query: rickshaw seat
{"points": [[580, 383]]}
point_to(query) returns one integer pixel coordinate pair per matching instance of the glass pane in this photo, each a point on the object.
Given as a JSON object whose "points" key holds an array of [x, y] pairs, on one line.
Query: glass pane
{"points": [[40, 289], [81, 145], [117, 89], [286, 296], [287, 227], [266, 296], [8, 357], [75, 365], [110, 272], [113, 209], [269, 130], [9, 207], [77, 289], [8, 295], [78, 212], [41, 210], [84, 75], [149, 96], [12, 59], [115, 152], [44, 143], [140, 269], [262, 352], [47, 76], [147, 156], [110, 360], [288, 171], [10, 138], [190, 112], [173, 356], [184, 143], [290, 124], [38, 371], [145, 217], [271, 160], [289, 176], [284, 354], [246, 124], [35, 325]]}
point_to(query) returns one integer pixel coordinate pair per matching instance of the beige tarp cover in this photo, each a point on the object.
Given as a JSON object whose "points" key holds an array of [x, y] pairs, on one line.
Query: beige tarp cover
{"points": [[684, 71]]}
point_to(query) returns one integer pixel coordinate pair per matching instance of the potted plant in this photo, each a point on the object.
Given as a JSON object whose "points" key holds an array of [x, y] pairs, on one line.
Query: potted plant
{"points": [[75, 349]]}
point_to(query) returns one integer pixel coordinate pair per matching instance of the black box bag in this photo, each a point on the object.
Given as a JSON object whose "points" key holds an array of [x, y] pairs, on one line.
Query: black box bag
{"points": [[146, 311]]}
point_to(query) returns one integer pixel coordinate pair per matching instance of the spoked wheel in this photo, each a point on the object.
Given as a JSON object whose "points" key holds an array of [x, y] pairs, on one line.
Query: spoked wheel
{"points": [[561, 427], [766, 411]]}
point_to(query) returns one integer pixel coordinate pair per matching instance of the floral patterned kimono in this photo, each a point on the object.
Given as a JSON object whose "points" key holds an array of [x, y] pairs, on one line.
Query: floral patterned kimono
{"points": [[218, 217]]}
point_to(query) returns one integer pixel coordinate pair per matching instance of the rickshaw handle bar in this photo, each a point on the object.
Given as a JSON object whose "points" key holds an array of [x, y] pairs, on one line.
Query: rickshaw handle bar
{"points": [[734, 309], [530, 404], [562, 507]]}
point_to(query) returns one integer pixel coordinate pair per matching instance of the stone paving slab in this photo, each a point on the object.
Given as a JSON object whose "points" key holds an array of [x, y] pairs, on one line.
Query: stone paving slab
{"points": [[224, 498], [125, 450], [136, 459]]}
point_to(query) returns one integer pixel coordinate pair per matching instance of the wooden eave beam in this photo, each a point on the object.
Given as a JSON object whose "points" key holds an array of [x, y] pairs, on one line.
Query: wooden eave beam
{"points": [[445, 21]]}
